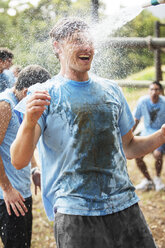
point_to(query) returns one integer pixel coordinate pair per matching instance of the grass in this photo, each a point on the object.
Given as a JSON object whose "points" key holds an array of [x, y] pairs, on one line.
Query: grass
{"points": [[147, 74]]}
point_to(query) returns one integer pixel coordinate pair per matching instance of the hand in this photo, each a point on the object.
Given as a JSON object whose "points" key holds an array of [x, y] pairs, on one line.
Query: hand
{"points": [[35, 106], [36, 177], [13, 199]]}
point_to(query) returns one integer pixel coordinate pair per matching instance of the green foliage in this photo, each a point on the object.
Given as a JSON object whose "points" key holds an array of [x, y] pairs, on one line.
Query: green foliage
{"points": [[141, 26], [27, 33]]}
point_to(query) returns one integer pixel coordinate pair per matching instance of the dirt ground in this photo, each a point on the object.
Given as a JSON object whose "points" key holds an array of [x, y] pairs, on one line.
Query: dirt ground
{"points": [[152, 203]]}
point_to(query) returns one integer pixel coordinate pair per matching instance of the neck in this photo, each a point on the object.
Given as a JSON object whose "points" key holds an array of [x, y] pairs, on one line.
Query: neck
{"points": [[76, 76], [155, 100]]}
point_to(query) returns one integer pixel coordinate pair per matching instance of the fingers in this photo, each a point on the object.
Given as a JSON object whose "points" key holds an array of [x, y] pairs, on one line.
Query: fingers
{"points": [[8, 208], [38, 101], [18, 208], [39, 98]]}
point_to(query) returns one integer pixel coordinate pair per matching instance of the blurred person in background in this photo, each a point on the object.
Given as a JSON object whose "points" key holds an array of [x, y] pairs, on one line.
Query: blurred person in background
{"points": [[151, 108], [16, 69], [6, 77], [15, 186]]}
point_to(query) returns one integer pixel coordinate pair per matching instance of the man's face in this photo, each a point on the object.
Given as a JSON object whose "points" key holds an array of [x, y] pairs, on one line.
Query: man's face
{"points": [[77, 53], [5, 64], [154, 92]]}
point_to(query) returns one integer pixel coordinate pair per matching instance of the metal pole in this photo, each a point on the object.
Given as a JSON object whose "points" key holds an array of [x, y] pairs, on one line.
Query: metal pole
{"points": [[135, 42], [157, 54], [95, 7]]}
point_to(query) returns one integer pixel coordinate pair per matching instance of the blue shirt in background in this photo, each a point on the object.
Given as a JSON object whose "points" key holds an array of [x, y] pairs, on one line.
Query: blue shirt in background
{"points": [[83, 163], [20, 179], [7, 80], [153, 114]]}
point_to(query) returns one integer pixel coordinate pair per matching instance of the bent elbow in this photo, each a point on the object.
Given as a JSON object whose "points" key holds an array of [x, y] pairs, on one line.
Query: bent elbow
{"points": [[129, 156], [17, 165]]}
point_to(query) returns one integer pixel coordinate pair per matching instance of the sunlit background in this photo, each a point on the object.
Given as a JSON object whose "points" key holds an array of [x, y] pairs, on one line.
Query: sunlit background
{"points": [[111, 6]]}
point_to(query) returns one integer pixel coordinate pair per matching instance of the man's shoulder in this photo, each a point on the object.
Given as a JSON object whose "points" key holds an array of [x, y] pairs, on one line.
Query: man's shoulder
{"points": [[98, 79], [162, 99], [144, 99], [47, 85], [6, 94], [105, 83]]}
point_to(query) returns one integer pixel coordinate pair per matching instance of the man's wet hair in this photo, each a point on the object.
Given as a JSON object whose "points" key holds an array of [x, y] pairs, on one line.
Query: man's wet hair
{"points": [[6, 53], [30, 75], [66, 27]]}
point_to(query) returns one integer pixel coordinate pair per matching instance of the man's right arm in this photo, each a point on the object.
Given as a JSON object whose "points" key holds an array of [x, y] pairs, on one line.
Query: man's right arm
{"points": [[29, 132]]}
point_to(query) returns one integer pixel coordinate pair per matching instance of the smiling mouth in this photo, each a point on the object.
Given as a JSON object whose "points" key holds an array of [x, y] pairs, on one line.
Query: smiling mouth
{"points": [[84, 57]]}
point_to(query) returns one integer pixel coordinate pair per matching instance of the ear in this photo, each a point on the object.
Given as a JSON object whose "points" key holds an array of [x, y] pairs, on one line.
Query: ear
{"points": [[57, 47], [25, 92]]}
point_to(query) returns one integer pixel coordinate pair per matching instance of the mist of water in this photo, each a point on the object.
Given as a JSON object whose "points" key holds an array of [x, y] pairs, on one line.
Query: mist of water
{"points": [[100, 32], [114, 20], [106, 60]]}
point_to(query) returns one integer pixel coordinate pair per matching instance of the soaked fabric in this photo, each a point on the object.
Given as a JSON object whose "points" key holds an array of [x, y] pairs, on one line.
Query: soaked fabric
{"points": [[16, 232], [153, 114], [10, 76], [125, 229], [20, 179], [6, 80], [83, 164]]}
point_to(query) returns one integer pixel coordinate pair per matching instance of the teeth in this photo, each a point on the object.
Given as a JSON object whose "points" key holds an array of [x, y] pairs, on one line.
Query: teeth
{"points": [[84, 56]]}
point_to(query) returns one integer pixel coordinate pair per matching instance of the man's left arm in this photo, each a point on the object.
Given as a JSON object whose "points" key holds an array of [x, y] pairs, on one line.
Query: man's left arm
{"points": [[139, 146]]}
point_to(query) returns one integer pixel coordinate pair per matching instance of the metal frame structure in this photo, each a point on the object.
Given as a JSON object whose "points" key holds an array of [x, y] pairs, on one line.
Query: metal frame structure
{"points": [[157, 52]]}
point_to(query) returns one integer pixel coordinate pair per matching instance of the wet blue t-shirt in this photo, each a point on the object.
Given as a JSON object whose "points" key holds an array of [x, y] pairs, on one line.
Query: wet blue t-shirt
{"points": [[83, 164]]}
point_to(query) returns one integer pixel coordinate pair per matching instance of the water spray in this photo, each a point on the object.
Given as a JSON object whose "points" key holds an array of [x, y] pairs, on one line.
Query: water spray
{"points": [[152, 3]]}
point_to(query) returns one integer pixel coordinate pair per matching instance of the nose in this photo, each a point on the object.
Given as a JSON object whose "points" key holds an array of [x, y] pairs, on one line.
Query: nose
{"points": [[88, 46]]}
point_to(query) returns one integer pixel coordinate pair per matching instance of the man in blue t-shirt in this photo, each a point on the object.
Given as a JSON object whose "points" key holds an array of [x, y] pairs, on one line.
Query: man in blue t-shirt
{"points": [[82, 124], [151, 108], [6, 77], [15, 186]]}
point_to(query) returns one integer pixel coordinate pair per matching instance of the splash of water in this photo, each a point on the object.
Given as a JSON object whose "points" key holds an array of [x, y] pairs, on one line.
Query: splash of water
{"points": [[105, 59], [114, 21]]}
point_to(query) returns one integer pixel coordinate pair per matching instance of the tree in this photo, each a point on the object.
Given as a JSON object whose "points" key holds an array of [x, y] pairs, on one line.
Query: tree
{"points": [[27, 33]]}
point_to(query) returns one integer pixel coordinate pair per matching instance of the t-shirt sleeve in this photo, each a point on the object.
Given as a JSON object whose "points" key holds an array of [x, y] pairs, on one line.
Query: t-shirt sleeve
{"points": [[20, 109], [126, 120]]}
